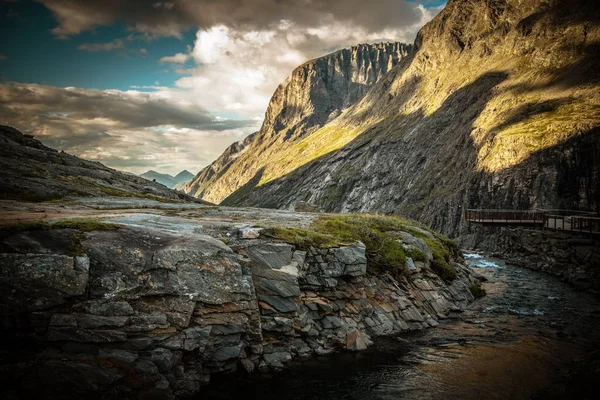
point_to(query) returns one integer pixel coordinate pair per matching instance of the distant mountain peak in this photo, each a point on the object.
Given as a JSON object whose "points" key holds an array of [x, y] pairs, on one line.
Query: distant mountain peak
{"points": [[168, 180], [184, 175]]}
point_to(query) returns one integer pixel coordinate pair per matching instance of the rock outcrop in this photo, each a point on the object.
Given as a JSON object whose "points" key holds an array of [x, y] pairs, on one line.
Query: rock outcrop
{"points": [[316, 93], [497, 107], [152, 310], [31, 171]]}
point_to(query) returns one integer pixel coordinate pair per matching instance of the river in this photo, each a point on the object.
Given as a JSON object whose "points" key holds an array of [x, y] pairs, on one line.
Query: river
{"points": [[531, 337]]}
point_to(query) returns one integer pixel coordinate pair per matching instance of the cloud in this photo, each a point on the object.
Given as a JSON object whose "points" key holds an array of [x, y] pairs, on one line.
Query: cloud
{"points": [[170, 18], [116, 44], [130, 130], [238, 70], [178, 58]]}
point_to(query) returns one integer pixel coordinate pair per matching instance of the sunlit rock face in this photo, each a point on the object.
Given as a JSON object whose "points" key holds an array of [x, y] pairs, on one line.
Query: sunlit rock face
{"points": [[496, 107], [316, 92]]}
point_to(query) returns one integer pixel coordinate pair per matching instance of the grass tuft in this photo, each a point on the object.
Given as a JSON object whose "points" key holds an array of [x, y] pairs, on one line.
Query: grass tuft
{"points": [[304, 238], [85, 225]]}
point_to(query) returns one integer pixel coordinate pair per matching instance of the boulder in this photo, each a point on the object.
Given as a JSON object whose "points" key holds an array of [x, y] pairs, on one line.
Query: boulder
{"points": [[227, 353], [129, 264], [249, 233], [411, 241]]}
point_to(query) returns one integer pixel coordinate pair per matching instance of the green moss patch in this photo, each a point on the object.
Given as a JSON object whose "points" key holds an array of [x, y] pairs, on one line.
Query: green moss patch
{"points": [[416, 255], [441, 260], [304, 238], [84, 225], [384, 252]]}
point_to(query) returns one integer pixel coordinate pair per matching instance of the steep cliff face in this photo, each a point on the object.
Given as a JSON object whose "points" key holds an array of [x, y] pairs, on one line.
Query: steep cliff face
{"points": [[497, 107], [316, 92]]}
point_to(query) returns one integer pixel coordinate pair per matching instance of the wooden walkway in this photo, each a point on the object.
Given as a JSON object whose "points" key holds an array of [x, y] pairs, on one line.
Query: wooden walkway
{"points": [[560, 220]]}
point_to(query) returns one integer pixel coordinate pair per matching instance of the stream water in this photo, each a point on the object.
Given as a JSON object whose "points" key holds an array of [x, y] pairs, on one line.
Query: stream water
{"points": [[531, 337]]}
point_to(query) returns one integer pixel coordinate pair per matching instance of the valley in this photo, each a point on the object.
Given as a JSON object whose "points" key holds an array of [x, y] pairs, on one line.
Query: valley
{"points": [[347, 249]]}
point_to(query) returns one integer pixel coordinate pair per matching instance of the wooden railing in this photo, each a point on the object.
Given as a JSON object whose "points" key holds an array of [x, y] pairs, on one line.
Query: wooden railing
{"points": [[575, 223], [562, 220], [505, 216]]}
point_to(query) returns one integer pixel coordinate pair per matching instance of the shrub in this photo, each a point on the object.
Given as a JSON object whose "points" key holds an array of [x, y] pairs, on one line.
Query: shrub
{"points": [[477, 291]]}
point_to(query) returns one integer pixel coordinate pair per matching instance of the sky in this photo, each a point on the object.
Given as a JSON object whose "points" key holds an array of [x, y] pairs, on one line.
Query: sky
{"points": [[168, 85]]}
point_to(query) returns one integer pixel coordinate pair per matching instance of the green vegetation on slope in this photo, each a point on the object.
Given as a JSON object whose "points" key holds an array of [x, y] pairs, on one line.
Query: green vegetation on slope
{"points": [[385, 253]]}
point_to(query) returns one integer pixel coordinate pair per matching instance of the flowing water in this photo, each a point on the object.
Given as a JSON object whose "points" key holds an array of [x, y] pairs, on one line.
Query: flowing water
{"points": [[531, 337]]}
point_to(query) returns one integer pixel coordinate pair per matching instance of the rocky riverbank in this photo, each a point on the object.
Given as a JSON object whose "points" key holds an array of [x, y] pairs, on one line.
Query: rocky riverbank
{"points": [[575, 258], [137, 305]]}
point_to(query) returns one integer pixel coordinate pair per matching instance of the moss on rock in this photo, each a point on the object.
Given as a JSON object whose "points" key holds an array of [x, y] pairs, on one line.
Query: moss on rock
{"points": [[385, 253]]}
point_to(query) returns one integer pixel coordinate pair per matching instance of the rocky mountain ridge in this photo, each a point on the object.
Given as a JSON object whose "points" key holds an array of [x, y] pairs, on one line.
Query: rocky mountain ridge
{"points": [[34, 172], [316, 92], [497, 107]]}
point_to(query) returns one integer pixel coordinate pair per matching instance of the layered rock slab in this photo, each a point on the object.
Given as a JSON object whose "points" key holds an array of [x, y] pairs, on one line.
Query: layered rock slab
{"points": [[147, 311]]}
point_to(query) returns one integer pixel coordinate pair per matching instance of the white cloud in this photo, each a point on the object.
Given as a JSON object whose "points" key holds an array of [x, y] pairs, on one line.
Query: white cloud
{"points": [[178, 58], [238, 71], [129, 130], [210, 44]]}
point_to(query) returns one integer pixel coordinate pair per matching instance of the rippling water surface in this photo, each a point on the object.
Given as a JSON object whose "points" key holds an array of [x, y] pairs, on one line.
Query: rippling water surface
{"points": [[531, 337]]}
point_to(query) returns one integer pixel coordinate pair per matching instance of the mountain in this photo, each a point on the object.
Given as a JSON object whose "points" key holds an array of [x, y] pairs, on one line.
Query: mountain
{"points": [[183, 176], [166, 179], [316, 92], [497, 107], [34, 172]]}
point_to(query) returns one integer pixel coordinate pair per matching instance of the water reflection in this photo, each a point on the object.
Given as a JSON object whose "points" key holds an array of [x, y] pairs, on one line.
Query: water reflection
{"points": [[530, 337]]}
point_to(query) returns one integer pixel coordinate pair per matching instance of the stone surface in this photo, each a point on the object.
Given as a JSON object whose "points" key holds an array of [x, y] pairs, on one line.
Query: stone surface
{"points": [[271, 255], [357, 341], [38, 281], [411, 241]]}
